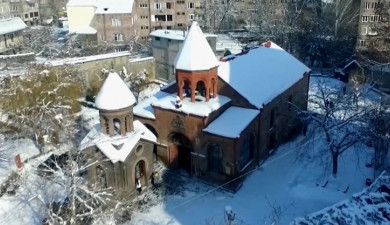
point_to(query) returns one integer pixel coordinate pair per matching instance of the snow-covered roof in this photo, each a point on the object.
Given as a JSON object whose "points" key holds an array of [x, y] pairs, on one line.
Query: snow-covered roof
{"points": [[114, 6], [196, 53], [144, 108], [201, 108], [86, 30], [262, 73], [78, 60], [106, 144], [82, 3], [11, 25], [353, 61], [114, 94], [174, 34], [227, 124]]}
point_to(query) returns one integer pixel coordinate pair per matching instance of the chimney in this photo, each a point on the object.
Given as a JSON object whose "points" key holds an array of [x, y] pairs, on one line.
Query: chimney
{"points": [[267, 44]]}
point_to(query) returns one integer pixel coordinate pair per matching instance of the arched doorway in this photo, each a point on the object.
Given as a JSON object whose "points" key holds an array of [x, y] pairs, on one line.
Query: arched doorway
{"points": [[139, 172], [184, 149]]}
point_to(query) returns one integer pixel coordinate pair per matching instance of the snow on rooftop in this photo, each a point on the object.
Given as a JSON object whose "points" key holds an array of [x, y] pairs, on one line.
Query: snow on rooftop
{"points": [[107, 144], [196, 53], [114, 94], [86, 30], [262, 73], [174, 34], [144, 108], [225, 42], [227, 124], [82, 3], [85, 59], [11, 25], [198, 108], [114, 6]]}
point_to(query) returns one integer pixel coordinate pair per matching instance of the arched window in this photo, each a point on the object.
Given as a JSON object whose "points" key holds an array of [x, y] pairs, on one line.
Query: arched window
{"points": [[117, 126], [101, 176], [247, 150], [201, 88], [139, 169], [214, 157], [186, 89]]}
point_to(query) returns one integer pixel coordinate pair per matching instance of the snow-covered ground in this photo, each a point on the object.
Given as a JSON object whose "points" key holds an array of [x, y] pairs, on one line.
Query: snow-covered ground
{"points": [[283, 188]]}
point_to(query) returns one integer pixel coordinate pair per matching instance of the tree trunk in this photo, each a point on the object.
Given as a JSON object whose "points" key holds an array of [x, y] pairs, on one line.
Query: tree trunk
{"points": [[335, 157]]}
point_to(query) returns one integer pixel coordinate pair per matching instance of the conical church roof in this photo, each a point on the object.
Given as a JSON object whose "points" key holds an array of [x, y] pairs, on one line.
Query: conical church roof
{"points": [[114, 94], [196, 53]]}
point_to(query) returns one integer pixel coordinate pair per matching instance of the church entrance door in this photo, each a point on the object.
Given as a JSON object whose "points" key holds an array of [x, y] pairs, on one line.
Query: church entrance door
{"points": [[184, 149]]}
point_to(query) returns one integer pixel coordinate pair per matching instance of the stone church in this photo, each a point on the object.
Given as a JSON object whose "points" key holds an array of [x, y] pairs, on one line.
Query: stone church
{"points": [[217, 121]]}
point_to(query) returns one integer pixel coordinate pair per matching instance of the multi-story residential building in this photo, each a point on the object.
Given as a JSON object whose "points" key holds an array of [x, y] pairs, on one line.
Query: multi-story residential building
{"points": [[11, 37], [368, 21], [104, 21], [28, 11], [169, 14]]}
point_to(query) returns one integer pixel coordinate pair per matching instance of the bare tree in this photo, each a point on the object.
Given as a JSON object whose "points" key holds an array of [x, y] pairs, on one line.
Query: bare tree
{"points": [[222, 14], [83, 202], [336, 119], [41, 105]]}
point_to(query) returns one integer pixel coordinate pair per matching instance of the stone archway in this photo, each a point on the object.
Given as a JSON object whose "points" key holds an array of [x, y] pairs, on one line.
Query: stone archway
{"points": [[140, 172], [181, 148]]}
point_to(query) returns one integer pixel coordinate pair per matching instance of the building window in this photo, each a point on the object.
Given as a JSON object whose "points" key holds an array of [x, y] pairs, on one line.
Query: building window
{"points": [[143, 5], [160, 18], [31, 14], [169, 5], [364, 30], [156, 38], [144, 17], [365, 18], [362, 43], [191, 5], [36, 14], [374, 18], [159, 6], [116, 22], [180, 2], [367, 5], [118, 37], [13, 8], [191, 17], [214, 158], [169, 17], [144, 27], [26, 15], [169, 28], [180, 25]]}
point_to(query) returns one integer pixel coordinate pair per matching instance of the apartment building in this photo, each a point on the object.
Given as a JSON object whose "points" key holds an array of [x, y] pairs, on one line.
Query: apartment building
{"points": [[11, 37], [369, 20], [103, 20], [169, 14], [28, 11]]}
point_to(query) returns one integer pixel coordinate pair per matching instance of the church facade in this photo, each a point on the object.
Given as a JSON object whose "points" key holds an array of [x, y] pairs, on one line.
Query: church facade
{"points": [[220, 119], [217, 121]]}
